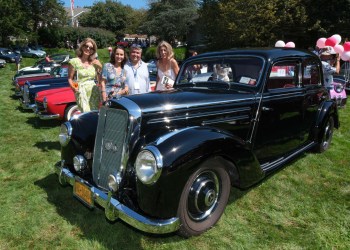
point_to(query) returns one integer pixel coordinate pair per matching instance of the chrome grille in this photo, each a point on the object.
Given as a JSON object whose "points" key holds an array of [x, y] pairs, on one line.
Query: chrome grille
{"points": [[110, 139], [26, 93]]}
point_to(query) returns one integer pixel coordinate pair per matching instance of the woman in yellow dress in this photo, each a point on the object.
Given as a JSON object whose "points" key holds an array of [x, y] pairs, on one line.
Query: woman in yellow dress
{"points": [[82, 72]]}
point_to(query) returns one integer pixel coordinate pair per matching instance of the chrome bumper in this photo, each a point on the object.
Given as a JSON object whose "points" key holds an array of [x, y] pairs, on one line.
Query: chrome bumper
{"points": [[114, 209], [45, 116]]}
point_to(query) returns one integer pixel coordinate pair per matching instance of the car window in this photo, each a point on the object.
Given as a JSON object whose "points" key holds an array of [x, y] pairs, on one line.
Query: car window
{"points": [[222, 72], [311, 73], [283, 75]]}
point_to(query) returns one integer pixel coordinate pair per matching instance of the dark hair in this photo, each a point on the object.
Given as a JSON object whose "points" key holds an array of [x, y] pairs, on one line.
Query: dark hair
{"points": [[112, 60]]}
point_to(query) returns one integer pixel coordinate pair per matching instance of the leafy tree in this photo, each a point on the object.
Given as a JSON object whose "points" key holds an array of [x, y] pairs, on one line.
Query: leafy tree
{"points": [[170, 20], [11, 24], [110, 15]]}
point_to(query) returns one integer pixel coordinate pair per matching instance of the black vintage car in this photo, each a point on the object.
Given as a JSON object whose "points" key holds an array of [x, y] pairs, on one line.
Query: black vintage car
{"points": [[165, 161]]}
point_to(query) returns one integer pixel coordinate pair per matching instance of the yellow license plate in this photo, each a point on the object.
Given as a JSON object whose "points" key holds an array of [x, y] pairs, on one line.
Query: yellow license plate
{"points": [[83, 193]]}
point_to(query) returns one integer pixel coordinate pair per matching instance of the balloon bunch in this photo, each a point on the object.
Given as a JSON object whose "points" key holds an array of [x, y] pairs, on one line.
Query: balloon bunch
{"points": [[281, 44], [333, 41]]}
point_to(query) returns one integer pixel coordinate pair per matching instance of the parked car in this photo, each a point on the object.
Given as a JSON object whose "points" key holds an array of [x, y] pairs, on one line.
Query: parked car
{"points": [[30, 89], [35, 53], [165, 161], [58, 103], [19, 81], [40, 66], [8, 55], [338, 92], [2, 63]]}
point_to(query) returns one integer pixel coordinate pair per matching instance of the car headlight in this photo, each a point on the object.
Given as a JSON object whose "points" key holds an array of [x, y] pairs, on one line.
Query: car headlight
{"points": [[65, 133], [149, 165], [339, 88], [79, 163]]}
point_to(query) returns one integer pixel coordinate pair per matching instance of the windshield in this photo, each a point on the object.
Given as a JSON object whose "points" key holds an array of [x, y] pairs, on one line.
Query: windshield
{"points": [[221, 72]]}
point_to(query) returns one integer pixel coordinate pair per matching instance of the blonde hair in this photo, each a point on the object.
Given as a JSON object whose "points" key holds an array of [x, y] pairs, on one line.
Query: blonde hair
{"points": [[79, 52], [168, 48]]}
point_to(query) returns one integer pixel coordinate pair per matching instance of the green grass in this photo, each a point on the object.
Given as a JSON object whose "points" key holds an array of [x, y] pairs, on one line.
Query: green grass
{"points": [[305, 205]]}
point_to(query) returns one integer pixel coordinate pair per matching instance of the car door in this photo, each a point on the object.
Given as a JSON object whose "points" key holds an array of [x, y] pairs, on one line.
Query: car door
{"points": [[281, 116]]}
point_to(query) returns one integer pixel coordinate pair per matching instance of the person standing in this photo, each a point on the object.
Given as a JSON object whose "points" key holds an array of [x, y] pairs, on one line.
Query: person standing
{"points": [[137, 76], [82, 72], [114, 75], [330, 65], [17, 61], [167, 66]]}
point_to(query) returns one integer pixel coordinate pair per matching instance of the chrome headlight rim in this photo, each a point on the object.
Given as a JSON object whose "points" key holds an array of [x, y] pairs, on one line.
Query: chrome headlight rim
{"points": [[142, 171], [79, 163], [65, 134], [339, 88]]}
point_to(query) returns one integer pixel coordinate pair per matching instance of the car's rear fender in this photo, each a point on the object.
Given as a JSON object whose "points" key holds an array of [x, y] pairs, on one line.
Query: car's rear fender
{"points": [[328, 108]]}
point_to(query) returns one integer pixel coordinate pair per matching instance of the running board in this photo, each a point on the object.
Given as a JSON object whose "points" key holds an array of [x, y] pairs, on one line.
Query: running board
{"points": [[269, 166]]}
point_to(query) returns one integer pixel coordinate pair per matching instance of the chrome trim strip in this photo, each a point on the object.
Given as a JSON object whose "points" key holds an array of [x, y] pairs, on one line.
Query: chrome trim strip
{"points": [[114, 209], [169, 106], [226, 120], [272, 165], [192, 116]]}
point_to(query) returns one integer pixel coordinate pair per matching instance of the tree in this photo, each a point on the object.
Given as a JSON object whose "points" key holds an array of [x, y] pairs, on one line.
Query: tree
{"points": [[110, 15], [242, 23], [170, 20], [10, 24]]}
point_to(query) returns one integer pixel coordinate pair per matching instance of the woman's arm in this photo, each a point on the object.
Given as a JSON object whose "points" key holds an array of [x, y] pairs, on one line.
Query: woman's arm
{"points": [[71, 72], [175, 67], [103, 88]]}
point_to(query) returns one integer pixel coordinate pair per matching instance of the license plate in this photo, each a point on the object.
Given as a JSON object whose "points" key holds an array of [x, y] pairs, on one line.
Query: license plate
{"points": [[83, 193]]}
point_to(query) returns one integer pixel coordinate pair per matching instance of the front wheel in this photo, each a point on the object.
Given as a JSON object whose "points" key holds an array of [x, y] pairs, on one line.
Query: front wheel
{"points": [[203, 198], [327, 134], [70, 111]]}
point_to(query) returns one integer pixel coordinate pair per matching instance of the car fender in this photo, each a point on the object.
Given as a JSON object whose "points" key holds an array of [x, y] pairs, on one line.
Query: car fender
{"points": [[182, 152], [84, 127], [328, 108]]}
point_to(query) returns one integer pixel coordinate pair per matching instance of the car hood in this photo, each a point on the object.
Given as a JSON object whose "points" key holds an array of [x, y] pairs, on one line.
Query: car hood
{"points": [[50, 92], [189, 98]]}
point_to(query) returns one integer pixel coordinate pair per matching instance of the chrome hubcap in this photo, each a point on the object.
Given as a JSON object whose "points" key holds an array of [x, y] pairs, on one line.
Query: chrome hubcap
{"points": [[203, 196]]}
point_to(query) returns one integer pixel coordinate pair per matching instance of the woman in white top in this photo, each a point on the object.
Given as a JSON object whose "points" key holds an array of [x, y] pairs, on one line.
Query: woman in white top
{"points": [[167, 66]]}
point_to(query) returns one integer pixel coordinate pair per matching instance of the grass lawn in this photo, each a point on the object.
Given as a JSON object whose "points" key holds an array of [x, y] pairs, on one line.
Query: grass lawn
{"points": [[305, 205]]}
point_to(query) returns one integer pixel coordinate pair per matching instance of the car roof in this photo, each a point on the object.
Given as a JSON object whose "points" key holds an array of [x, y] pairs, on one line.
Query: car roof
{"points": [[267, 53]]}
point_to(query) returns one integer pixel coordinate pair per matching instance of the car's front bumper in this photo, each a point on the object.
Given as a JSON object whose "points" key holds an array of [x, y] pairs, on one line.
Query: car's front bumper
{"points": [[26, 105], [114, 209], [46, 116]]}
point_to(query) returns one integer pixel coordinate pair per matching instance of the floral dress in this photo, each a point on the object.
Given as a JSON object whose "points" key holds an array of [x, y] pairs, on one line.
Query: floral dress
{"points": [[88, 94], [114, 82]]}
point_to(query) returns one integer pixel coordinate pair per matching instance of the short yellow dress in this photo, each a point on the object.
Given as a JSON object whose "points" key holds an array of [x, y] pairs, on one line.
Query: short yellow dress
{"points": [[88, 94]]}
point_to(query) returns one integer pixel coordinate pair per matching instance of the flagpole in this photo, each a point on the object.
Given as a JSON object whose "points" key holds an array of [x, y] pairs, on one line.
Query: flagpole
{"points": [[72, 11]]}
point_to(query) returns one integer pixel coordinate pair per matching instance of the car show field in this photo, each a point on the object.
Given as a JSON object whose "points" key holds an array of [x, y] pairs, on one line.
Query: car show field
{"points": [[303, 205]]}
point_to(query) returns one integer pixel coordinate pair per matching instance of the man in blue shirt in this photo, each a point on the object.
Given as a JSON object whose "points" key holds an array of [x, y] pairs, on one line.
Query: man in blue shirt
{"points": [[137, 76]]}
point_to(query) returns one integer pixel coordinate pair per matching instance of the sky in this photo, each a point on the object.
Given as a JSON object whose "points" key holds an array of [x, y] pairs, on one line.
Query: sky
{"points": [[136, 4]]}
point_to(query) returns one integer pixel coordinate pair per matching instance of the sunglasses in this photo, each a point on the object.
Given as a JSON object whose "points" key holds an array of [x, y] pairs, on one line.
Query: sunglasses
{"points": [[135, 46], [88, 47]]}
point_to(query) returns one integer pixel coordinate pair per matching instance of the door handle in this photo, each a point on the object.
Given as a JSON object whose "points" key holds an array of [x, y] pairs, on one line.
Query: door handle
{"points": [[267, 109]]}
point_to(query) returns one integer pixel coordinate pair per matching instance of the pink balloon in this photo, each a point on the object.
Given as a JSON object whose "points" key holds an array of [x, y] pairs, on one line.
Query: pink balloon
{"points": [[290, 45], [337, 38], [345, 56], [346, 46], [321, 42], [331, 41], [339, 48]]}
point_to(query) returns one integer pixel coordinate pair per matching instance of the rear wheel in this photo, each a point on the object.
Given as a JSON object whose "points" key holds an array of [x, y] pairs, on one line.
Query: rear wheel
{"points": [[70, 111], [327, 134], [203, 199]]}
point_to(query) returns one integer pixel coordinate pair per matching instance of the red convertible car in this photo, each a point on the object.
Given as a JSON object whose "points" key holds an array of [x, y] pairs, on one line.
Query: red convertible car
{"points": [[56, 104]]}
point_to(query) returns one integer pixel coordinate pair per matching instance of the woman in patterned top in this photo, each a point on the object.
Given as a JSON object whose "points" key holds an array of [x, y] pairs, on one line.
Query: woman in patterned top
{"points": [[82, 72], [113, 75]]}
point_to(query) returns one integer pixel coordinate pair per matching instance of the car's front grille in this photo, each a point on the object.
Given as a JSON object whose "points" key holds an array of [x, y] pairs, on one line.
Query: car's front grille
{"points": [[109, 145], [26, 93]]}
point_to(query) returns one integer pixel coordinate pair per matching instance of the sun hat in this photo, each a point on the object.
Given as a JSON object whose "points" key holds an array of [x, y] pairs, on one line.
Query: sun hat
{"points": [[328, 50]]}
